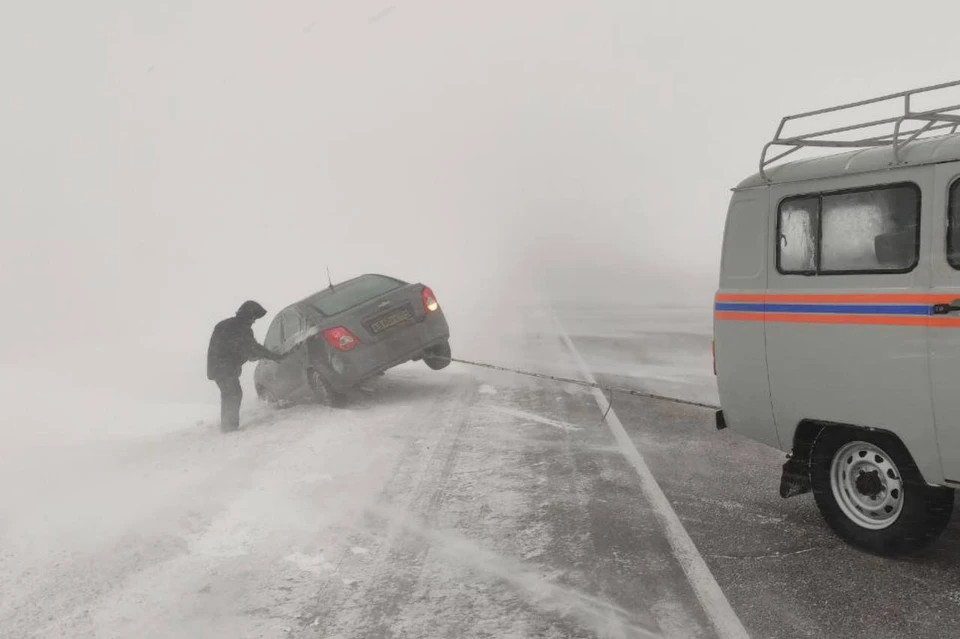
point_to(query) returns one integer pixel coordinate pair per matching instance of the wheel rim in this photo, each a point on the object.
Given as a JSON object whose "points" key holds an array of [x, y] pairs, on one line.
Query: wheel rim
{"points": [[867, 485]]}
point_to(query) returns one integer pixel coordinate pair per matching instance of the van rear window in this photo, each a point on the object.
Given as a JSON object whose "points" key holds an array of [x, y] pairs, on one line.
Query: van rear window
{"points": [[874, 230]]}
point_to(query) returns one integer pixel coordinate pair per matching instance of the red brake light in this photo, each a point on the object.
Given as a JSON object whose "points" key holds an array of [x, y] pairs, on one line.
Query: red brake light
{"points": [[341, 338], [430, 302]]}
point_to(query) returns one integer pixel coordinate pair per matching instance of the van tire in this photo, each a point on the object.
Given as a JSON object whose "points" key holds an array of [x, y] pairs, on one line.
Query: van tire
{"points": [[323, 393], [910, 514]]}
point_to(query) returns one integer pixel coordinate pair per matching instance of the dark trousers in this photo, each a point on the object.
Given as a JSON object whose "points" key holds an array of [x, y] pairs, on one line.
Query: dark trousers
{"points": [[231, 395]]}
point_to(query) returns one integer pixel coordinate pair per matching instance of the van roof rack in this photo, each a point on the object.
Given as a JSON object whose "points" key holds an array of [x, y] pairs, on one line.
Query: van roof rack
{"points": [[923, 122]]}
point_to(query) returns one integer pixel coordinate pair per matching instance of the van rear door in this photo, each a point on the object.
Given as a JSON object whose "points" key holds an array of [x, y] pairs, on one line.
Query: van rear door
{"points": [[741, 361]]}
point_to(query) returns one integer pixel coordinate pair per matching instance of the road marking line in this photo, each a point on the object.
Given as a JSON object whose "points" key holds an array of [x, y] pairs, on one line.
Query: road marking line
{"points": [[714, 602], [521, 414]]}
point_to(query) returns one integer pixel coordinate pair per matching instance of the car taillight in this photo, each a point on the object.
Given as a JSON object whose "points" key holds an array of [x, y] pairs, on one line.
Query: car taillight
{"points": [[430, 302], [341, 338], [713, 347]]}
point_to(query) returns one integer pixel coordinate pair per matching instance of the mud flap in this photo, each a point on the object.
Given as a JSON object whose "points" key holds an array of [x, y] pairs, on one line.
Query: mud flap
{"points": [[721, 420], [795, 479]]}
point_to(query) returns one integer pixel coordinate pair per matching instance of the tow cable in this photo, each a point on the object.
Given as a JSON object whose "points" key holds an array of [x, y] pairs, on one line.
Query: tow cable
{"points": [[609, 390]]}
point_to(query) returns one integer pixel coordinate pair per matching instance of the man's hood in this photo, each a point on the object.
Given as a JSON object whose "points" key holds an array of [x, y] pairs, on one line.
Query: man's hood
{"points": [[251, 310]]}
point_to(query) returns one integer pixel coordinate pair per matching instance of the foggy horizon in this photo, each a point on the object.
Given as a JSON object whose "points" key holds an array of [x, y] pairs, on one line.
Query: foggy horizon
{"points": [[165, 164]]}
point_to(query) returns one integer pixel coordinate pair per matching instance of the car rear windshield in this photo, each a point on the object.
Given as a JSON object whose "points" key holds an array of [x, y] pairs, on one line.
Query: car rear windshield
{"points": [[349, 294]]}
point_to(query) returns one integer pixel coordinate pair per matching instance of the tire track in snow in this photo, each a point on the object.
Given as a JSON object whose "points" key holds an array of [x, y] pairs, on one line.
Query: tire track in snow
{"points": [[533, 417], [180, 562], [387, 575], [593, 613], [256, 568], [534, 572]]}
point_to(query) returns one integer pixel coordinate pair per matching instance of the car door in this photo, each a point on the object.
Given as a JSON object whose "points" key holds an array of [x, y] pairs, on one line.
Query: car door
{"points": [[266, 369], [291, 371], [944, 333]]}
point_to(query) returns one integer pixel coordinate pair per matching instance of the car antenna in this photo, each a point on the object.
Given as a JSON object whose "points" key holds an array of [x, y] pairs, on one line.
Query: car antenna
{"points": [[329, 279]]}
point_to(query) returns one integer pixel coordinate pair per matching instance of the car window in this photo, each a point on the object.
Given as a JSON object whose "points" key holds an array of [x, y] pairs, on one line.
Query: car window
{"points": [[349, 294], [953, 226], [871, 230], [274, 339], [291, 324]]}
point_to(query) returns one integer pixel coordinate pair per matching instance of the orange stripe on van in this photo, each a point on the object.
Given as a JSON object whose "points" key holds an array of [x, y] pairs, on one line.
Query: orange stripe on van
{"points": [[848, 320], [732, 316], [741, 297], [944, 322], [854, 320]]}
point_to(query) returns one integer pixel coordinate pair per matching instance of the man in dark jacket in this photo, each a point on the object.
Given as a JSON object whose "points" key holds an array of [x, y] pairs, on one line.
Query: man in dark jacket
{"points": [[231, 345]]}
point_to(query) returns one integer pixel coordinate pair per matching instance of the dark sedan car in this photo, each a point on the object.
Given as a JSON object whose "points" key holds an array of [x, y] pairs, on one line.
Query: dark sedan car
{"points": [[349, 333]]}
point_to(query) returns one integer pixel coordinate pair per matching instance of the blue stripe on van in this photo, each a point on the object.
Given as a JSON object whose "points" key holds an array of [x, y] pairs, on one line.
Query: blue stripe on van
{"points": [[840, 309]]}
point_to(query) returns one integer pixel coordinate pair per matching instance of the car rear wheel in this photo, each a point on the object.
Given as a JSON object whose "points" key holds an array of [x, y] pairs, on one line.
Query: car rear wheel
{"points": [[871, 493], [323, 393], [438, 357]]}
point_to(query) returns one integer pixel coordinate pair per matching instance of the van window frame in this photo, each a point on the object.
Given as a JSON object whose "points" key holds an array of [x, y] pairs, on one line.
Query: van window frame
{"points": [[953, 186], [819, 195]]}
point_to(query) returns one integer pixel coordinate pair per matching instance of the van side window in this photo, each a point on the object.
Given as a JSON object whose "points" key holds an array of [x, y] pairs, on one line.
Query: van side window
{"points": [[798, 235], [872, 230], [875, 230], [953, 226]]}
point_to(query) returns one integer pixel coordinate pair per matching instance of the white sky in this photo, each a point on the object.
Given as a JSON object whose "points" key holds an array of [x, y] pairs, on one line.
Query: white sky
{"points": [[163, 162]]}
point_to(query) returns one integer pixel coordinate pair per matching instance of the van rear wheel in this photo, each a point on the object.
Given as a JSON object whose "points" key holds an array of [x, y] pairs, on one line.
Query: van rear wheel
{"points": [[872, 495]]}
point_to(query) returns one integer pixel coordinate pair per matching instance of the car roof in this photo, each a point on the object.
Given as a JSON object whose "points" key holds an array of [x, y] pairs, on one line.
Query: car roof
{"points": [[931, 150], [306, 304]]}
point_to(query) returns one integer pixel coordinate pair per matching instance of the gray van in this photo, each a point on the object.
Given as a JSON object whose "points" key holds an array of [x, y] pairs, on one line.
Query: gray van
{"points": [[837, 320]]}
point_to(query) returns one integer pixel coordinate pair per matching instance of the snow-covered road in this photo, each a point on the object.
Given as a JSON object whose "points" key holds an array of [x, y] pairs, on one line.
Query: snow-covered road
{"points": [[460, 503], [437, 504]]}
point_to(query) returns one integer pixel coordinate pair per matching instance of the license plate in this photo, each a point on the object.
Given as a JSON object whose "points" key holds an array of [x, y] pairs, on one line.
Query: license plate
{"points": [[390, 320]]}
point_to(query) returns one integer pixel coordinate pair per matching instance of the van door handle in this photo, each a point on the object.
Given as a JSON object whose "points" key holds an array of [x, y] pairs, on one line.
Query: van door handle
{"points": [[945, 309]]}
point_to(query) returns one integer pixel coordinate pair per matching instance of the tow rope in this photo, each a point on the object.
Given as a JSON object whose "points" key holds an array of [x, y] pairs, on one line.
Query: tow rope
{"points": [[579, 382]]}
